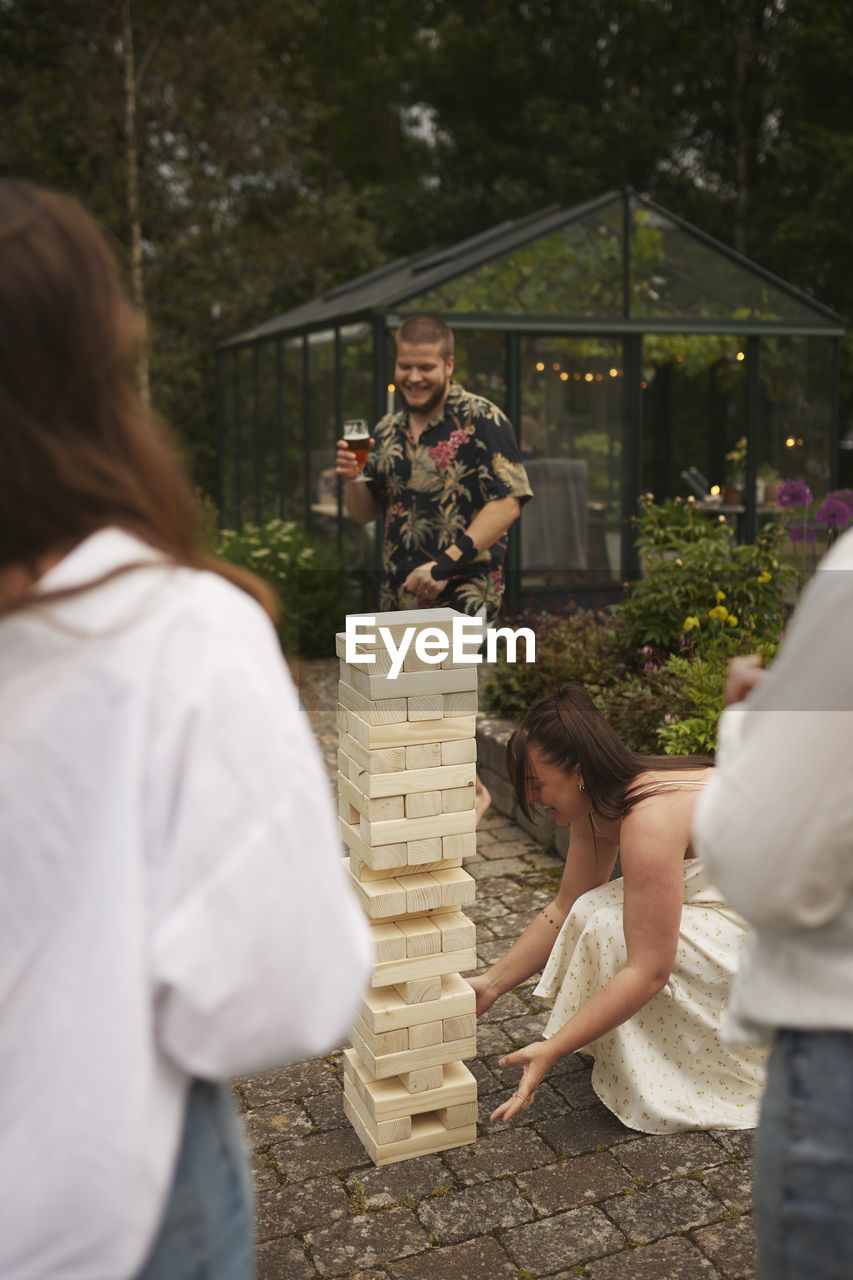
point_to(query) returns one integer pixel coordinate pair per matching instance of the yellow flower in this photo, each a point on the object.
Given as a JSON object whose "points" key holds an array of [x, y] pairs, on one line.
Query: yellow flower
{"points": [[690, 622], [721, 595], [719, 611], [732, 619], [765, 577]]}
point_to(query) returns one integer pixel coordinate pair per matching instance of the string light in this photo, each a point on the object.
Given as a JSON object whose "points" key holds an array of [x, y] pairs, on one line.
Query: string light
{"points": [[587, 377], [539, 366], [614, 373], [564, 377], [740, 356], [556, 366]]}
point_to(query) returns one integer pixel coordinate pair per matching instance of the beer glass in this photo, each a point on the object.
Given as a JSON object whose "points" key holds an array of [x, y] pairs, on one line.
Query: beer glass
{"points": [[357, 437]]}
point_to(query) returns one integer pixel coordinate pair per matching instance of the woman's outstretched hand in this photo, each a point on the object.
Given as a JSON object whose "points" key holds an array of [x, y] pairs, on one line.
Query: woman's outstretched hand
{"points": [[535, 1060], [486, 995]]}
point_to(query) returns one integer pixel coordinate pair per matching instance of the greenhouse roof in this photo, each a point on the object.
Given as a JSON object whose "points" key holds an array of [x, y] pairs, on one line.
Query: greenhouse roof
{"points": [[619, 263]]}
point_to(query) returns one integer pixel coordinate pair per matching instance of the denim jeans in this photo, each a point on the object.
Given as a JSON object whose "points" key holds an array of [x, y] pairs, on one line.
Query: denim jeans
{"points": [[208, 1222], [804, 1159]]}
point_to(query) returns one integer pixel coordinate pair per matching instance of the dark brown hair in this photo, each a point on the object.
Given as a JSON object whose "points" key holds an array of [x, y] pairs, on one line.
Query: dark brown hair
{"points": [[568, 730], [427, 329], [78, 451]]}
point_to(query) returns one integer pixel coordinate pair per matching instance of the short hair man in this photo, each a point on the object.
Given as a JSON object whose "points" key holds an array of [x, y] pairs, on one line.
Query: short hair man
{"points": [[446, 472]]}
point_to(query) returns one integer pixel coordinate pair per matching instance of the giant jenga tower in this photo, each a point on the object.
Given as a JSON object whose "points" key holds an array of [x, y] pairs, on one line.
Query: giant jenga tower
{"points": [[406, 759]]}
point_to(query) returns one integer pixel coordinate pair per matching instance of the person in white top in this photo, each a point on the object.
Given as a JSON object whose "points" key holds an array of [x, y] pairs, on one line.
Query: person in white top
{"points": [[174, 909], [776, 829], [636, 969]]}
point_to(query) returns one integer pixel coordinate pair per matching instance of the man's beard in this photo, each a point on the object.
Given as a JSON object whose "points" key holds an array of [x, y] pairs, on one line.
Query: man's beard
{"points": [[427, 407]]}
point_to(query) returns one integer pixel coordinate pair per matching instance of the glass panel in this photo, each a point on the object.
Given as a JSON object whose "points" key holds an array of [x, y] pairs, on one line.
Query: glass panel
{"points": [[575, 271], [481, 365], [292, 500], [694, 415], [571, 433], [323, 426], [673, 273], [796, 412], [355, 541]]}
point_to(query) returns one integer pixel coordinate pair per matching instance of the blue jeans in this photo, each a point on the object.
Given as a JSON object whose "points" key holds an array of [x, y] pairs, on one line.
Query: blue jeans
{"points": [[804, 1159], [208, 1222]]}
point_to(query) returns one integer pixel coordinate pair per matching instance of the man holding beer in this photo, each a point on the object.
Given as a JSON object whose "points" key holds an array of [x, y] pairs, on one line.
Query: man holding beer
{"points": [[446, 473]]}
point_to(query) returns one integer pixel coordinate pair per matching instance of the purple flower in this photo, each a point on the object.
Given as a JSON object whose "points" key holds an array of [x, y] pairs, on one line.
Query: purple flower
{"points": [[801, 533], [836, 510], [793, 493]]}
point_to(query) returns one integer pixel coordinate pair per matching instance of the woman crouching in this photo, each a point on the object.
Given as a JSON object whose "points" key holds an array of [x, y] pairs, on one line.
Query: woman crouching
{"points": [[636, 969]]}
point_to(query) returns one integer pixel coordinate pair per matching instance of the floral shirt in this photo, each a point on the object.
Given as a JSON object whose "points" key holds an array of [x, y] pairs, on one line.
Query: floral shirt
{"points": [[431, 491]]}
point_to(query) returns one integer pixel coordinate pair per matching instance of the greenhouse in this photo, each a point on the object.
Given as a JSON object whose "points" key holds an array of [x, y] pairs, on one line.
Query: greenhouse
{"points": [[632, 353]]}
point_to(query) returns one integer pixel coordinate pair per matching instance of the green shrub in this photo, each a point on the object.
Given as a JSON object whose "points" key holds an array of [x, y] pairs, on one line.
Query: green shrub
{"points": [[701, 592], [655, 665], [306, 575], [576, 645]]}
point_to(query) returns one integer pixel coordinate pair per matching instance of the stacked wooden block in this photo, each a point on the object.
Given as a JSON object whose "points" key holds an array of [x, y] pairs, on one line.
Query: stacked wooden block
{"points": [[407, 757]]}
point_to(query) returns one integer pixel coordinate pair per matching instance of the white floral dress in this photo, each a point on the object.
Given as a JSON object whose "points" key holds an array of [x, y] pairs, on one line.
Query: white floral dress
{"points": [[666, 1068]]}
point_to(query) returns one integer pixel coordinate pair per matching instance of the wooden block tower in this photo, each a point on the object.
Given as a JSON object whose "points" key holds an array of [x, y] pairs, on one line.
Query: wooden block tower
{"points": [[406, 769]]}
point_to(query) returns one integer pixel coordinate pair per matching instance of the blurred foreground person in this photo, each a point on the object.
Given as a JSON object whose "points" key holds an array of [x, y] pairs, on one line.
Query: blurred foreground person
{"points": [[775, 827], [174, 911]]}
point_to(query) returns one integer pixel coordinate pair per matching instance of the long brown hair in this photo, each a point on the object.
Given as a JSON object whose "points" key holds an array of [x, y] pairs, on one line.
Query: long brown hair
{"points": [[78, 450], [568, 730]]}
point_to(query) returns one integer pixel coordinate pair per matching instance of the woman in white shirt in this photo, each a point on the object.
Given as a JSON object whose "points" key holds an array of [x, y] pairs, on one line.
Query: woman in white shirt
{"points": [[636, 969], [174, 910]]}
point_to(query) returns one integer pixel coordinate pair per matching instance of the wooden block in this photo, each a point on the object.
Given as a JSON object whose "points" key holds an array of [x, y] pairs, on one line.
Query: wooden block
{"points": [[381, 809], [378, 857], [348, 812], [386, 760], [423, 1079], [462, 1028], [405, 829], [379, 737], [458, 933], [462, 752], [361, 871], [423, 937], [418, 991], [389, 942], [425, 853], [424, 1034], [383, 1009], [432, 778], [428, 1137], [460, 704], [429, 1057], [379, 1043], [412, 684], [423, 892], [464, 846], [422, 804], [423, 755], [428, 706], [388, 1099], [456, 799], [457, 887], [393, 973], [463, 1113], [388, 1131], [381, 899], [376, 710]]}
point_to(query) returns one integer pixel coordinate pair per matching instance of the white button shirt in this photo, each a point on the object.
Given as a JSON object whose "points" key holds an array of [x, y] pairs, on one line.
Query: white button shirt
{"points": [[173, 900], [774, 825]]}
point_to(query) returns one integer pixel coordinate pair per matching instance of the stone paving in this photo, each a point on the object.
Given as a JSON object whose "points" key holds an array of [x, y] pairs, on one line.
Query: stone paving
{"points": [[565, 1191]]}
